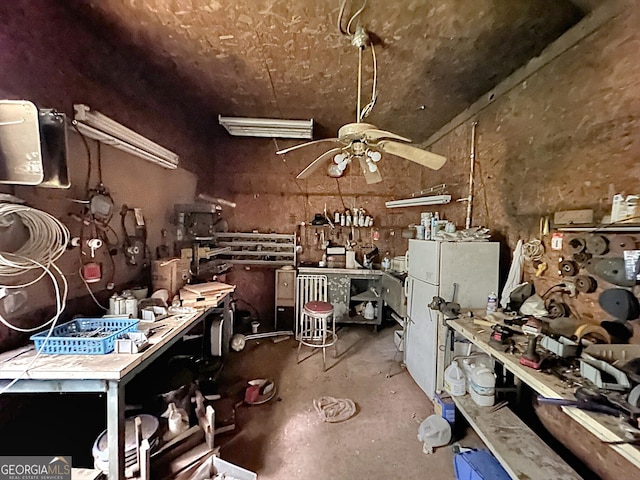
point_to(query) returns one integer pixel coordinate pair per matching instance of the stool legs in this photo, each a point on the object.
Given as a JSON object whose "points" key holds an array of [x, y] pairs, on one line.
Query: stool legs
{"points": [[316, 332]]}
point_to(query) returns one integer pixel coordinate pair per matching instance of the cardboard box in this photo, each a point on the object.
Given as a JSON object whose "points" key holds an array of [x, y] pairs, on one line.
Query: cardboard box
{"points": [[170, 274], [443, 405]]}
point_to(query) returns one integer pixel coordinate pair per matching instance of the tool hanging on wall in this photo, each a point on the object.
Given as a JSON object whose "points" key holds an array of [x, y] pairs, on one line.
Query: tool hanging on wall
{"points": [[95, 231], [585, 284], [134, 246]]}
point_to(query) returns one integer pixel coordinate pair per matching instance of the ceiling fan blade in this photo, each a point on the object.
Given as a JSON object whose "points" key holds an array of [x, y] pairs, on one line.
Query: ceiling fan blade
{"points": [[373, 135], [413, 154], [295, 147], [369, 176], [318, 162]]}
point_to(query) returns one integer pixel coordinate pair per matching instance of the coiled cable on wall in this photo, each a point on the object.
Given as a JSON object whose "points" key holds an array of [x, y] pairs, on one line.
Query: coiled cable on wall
{"points": [[48, 238], [533, 250], [47, 241]]}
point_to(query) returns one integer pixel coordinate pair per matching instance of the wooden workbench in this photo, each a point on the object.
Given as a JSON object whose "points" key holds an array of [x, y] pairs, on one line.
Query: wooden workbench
{"points": [[98, 374], [604, 427]]}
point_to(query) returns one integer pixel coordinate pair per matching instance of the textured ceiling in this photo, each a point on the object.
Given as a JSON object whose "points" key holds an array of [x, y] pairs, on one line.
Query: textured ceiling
{"points": [[288, 59]]}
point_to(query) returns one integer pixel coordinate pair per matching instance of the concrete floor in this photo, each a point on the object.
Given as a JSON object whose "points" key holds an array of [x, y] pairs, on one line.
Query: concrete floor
{"points": [[286, 439]]}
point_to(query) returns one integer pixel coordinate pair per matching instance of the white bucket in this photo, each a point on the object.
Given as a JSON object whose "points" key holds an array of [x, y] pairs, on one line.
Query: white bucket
{"points": [[483, 386], [454, 380]]}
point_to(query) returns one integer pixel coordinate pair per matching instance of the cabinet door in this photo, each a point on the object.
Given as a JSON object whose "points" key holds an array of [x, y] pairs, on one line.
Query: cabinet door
{"points": [[285, 287], [421, 336]]}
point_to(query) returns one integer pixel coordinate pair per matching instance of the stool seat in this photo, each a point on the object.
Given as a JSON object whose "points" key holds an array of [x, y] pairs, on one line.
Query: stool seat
{"points": [[318, 307]]}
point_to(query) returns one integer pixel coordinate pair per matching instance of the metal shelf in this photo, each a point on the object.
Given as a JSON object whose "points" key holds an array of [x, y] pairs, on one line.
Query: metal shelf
{"points": [[366, 297], [248, 248]]}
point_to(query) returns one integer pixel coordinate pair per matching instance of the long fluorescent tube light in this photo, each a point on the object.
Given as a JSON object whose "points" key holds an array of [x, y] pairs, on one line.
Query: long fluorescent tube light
{"points": [[412, 202], [100, 127], [267, 127]]}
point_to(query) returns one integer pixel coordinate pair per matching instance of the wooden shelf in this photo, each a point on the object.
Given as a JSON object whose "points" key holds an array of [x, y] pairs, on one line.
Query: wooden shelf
{"points": [[520, 451], [604, 228]]}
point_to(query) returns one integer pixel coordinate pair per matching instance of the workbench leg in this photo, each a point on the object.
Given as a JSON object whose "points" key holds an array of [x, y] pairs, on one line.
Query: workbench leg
{"points": [[115, 429]]}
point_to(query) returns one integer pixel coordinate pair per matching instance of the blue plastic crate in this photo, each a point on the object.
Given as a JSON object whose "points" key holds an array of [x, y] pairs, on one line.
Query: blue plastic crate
{"points": [[63, 339], [478, 465]]}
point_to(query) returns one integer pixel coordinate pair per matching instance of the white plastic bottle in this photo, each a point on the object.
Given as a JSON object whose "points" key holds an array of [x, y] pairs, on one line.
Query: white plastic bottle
{"points": [[472, 362], [492, 303], [454, 380], [369, 311], [386, 262], [483, 386]]}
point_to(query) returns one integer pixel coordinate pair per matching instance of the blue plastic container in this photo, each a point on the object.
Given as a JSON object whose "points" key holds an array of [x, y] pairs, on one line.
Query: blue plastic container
{"points": [[478, 465], [63, 339]]}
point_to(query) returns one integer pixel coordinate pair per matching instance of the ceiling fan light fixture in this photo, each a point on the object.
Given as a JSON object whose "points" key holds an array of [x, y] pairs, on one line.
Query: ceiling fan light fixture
{"points": [[340, 158], [374, 156], [335, 171]]}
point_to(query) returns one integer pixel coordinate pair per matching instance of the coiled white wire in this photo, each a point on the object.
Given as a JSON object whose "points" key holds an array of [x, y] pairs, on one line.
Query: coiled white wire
{"points": [[48, 239]]}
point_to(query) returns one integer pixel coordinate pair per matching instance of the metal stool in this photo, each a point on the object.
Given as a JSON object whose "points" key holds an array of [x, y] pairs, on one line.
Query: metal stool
{"points": [[318, 328]]}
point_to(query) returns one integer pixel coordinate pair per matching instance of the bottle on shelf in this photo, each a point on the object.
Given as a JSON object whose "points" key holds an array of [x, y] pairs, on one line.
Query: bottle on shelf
{"points": [[454, 380], [386, 262], [369, 311], [492, 303]]}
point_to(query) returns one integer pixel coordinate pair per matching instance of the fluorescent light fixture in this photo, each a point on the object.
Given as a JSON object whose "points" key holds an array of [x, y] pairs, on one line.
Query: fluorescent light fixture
{"points": [[99, 127], [413, 202], [267, 127]]}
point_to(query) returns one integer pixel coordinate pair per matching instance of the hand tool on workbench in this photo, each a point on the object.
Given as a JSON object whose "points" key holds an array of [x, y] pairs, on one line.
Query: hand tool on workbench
{"points": [[590, 405], [530, 358], [610, 403]]}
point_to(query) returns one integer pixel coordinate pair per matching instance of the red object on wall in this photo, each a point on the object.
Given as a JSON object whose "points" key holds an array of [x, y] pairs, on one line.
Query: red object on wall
{"points": [[91, 272]]}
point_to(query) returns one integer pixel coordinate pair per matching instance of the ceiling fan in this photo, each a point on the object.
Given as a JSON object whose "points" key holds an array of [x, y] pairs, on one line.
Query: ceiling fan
{"points": [[361, 141]]}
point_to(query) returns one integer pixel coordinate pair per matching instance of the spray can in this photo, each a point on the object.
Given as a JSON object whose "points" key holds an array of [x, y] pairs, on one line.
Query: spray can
{"points": [[112, 304]]}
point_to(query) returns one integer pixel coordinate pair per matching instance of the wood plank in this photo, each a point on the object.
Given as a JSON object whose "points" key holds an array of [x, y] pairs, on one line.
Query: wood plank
{"points": [[209, 288], [605, 428], [520, 451]]}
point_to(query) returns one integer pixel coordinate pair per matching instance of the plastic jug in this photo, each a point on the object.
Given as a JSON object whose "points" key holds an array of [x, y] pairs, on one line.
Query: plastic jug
{"points": [[454, 380], [471, 362], [483, 386], [369, 311], [434, 431]]}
